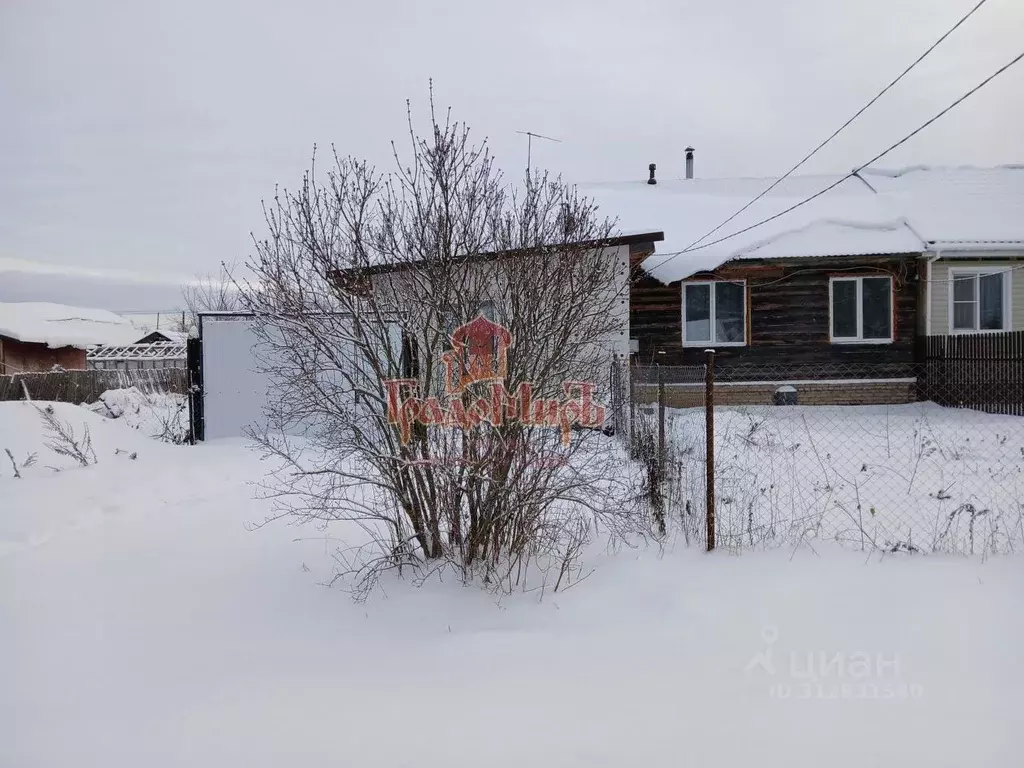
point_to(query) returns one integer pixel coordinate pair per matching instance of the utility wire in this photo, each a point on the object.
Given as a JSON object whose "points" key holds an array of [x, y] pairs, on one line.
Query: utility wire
{"points": [[841, 128], [855, 171]]}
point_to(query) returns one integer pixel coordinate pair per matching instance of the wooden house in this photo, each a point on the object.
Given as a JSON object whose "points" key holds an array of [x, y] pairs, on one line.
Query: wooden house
{"points": [[826, 293]]}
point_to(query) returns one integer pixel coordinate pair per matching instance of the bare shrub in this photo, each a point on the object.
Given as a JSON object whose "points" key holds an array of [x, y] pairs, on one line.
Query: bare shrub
{"points": [[164, 415], [14, 464], [62, 439], [172, 423], [361, 280], [644, 449]]}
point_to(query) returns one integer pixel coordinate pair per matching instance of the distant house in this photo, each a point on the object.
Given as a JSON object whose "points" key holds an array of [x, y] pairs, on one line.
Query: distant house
{"points": [[36, 336], [833, 293], [163, 337], [157, 349]]}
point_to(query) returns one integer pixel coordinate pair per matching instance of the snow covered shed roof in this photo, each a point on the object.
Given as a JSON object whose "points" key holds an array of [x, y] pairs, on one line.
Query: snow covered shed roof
{"points": [[57, 325], [879, 212]]}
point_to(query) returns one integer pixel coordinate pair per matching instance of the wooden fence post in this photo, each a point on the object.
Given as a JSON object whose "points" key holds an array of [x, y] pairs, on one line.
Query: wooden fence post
{"points": [[709, 461]]}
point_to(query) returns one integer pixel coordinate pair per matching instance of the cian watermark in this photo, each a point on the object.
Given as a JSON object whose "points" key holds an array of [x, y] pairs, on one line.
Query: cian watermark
{"points": [[830, 674]]}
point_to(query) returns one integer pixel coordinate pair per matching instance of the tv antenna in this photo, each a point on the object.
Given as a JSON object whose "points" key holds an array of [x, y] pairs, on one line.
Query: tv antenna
{"points": [[530, 136]]}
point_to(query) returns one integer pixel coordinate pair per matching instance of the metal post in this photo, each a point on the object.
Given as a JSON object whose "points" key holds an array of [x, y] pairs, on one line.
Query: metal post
{"points": [[631, 405], [709, 423], [194, 382], [661, 424]]}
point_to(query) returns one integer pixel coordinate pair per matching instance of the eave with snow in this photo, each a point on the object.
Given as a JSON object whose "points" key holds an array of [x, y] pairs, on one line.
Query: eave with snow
{"points": [[641, 240]]}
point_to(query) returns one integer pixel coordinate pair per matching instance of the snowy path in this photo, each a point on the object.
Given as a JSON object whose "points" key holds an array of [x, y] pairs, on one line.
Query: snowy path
{"points": [[142, 624]]}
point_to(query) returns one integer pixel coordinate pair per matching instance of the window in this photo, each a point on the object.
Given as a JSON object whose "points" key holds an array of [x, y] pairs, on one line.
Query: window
{"points": [[978, 301], [489, 310], [714, 313], [861, 310]]}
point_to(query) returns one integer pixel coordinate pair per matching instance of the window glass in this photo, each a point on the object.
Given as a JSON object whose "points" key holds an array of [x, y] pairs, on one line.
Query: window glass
{"points": [[729, 301], [963, 316], [990, 296], [964, 302], [489, 310], [844, 309], [876, 307], [698, 313], [963, 288]]}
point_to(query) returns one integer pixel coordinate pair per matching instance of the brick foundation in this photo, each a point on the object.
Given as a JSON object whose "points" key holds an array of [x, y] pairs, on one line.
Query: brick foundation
{"points": [[808, 393]]}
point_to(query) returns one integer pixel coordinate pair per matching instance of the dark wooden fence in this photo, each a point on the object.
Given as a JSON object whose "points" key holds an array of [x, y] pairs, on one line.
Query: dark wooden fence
{"points": [[984, 371], [87, 386]]}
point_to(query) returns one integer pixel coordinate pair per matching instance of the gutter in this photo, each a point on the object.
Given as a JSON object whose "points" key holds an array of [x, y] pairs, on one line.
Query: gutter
{"points": [[613, 241]]}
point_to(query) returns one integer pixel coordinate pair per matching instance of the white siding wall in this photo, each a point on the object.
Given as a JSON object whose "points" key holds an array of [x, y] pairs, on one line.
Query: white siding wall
{"points": [[941, 287], [620, 342]]}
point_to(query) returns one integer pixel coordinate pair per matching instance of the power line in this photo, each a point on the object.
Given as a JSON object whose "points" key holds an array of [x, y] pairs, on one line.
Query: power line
{"points": [[841, 128], [855, 171]]}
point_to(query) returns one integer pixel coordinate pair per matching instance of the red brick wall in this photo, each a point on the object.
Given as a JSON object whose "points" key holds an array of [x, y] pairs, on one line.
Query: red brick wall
{"points": [[22, 357]]}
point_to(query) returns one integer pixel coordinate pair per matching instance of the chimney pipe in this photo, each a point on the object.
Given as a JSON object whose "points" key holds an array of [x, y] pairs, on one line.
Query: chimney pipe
{"points": [[689, 162], [651, 168]]}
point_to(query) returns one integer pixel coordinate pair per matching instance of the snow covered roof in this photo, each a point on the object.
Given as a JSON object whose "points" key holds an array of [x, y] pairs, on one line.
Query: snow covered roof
{"points": [[956, 205], [835, 238], [881, 212], [57, 325]]}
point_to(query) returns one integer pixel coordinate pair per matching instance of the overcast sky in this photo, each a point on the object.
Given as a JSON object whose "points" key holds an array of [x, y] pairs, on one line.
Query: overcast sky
{"points": [[141, 136]]}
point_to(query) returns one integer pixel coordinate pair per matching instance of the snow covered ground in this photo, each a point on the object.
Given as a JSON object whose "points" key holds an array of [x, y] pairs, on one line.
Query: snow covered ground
{"points": [[143, 623], [156, 414]]}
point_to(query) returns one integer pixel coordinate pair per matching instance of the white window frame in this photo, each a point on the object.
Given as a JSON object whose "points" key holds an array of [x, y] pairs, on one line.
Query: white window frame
{"points": [[978, 272], [859, 338], [711, 318]]}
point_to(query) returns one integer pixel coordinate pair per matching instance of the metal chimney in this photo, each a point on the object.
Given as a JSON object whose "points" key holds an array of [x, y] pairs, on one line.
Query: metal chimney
{"points": [[689, 162], [651, 168]]}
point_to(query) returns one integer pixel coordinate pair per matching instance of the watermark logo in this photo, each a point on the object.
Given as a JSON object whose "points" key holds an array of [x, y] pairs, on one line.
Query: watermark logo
{"points": [[479, 356], [829, 675], [479, 353]]}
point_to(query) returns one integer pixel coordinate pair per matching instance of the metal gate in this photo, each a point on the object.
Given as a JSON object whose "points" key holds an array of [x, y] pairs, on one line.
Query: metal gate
{"points": [[231, 392]]}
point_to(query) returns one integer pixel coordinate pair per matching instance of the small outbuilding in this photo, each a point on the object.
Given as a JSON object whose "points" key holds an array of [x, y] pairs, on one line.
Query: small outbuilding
{"points": [[36, 336]]}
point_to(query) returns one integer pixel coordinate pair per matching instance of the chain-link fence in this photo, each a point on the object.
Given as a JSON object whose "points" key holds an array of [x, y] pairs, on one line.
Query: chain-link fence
{"points": [[929, 457]]}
